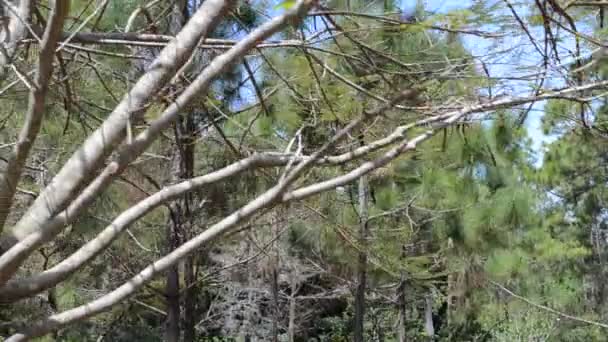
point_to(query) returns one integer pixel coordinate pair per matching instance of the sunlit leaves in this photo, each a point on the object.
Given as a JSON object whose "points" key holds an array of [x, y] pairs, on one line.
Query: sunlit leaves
{"points": [[285, 5]]}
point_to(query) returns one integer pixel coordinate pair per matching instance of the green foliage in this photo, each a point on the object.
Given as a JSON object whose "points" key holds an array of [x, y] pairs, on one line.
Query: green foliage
{"points": [[464, 210], [525, 324], [287, 4]]}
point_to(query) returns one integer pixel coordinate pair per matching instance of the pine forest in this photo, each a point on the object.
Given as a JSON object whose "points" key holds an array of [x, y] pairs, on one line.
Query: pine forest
{"points": [[304, 170]]}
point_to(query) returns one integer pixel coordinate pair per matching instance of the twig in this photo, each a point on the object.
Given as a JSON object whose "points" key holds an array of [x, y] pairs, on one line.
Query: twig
{"points": [[548, 309]]}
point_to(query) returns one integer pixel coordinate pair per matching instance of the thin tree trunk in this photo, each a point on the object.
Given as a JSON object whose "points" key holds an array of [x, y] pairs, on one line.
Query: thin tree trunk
{"points": [[172, 294], [247, 326], [275, 303], [428, 317], [172, 280], [172, 332], [190, 300], [183, 168], [190, 295], [450, 299], [274, 281], [291, 330], [362, 263], [402, 310], [179, 210]]}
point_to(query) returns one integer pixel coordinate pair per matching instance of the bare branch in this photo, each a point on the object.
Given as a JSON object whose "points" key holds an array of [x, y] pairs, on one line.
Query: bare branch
{"points": [[267, 199], [131, 151], [35, 111], [80, 168], [548, 309], [15, 31], [160, 40]]}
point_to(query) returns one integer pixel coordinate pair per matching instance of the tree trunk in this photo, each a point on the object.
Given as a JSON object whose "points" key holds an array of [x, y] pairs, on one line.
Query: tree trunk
{"points": [[181, 226], [190, 300], [362, 263], [172, 331], [186, 147], [172, 294], [401, 333], [274, 285], [450, 299], [291, 330], [428, 317], [247, 326], [274, 281], [181, 169]]}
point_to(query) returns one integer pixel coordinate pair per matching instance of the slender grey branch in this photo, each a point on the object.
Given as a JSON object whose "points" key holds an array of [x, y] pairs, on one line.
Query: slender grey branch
{"points": [[15, 31], [160, 40], [35, 110], [80, 168], [131, 150], [548, 309]]}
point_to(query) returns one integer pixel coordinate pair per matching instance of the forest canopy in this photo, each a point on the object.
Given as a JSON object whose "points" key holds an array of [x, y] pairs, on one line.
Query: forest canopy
{"points": [[298, 170]]}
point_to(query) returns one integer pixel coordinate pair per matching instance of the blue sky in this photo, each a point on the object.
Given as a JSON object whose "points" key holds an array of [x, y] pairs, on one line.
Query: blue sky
{"points": [[479, 46], [440, 5]]}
